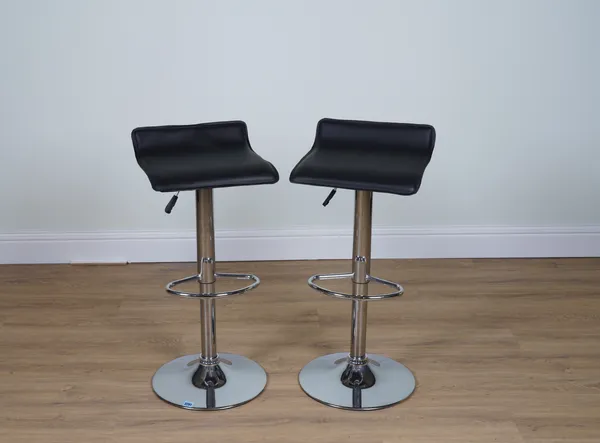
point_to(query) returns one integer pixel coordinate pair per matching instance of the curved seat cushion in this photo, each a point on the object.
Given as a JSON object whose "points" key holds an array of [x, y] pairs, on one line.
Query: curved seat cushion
{"points": [[368, 156], [206, 155]]}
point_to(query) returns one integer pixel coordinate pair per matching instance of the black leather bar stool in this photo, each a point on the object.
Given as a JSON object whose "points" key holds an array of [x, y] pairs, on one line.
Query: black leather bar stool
{"points": [[199, 158], [366, 157]]}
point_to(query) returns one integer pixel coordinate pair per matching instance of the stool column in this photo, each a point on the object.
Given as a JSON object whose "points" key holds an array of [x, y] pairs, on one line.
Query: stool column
{"points": [[363, 382], [219, 381], [205, 237], [361, 267]]}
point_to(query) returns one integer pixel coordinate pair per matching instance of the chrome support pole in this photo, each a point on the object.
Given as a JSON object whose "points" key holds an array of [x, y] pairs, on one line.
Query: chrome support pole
{"points": [[357, 381], [205, 237], [361, 268], [209, 381]]}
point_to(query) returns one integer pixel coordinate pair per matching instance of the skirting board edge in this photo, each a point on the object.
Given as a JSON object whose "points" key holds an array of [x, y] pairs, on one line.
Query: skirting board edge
{"points": [[301, 244]]}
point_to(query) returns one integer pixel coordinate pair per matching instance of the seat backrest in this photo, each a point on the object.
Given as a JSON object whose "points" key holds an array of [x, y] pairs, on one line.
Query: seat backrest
{"points": [[375, 135], [154, 140]]}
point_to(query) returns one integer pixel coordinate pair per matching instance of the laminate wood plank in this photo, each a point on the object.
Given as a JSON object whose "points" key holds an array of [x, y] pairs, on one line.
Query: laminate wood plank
{"points": [[503, 351]]}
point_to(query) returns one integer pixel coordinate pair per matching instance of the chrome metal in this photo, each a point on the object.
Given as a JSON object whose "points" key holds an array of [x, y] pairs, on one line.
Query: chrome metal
{"points": [[358, 360], [208, 376], [399, 290], [219, 360], [341, 360], [331, 276], [371, 361], [209, 381], [361, 247], [347, 359], [358, 376], [361, 383], [361, 253], [205, 235], [321, 380], [208, 333], [173, 383], [217, 275], [358, 335], [205, 247]]}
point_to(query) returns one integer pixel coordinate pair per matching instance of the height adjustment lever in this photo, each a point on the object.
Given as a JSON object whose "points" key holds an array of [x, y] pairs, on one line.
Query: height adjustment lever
{"points": [[171, 203], [329, 197]]}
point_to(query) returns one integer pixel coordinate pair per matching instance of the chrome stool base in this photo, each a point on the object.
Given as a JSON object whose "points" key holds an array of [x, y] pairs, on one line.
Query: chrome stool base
{"points": [[321, 380], [246, 379]]}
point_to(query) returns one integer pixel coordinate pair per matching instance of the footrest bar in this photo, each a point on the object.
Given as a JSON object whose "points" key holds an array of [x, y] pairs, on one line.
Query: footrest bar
{"points": [[399, 290], [254, 278]]}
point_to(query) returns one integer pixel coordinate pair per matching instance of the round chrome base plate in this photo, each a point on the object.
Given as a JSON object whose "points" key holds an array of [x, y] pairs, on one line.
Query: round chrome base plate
{"points": [[246, 379], [321, 380]]}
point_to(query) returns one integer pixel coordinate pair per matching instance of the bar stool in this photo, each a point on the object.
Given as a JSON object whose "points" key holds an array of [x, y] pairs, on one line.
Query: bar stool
{"points": [[202, 157], [366, 157]]}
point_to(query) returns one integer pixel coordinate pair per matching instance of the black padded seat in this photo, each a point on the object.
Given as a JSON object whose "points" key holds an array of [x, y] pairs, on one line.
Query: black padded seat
{"points": [[206, 155], [367, 156]]}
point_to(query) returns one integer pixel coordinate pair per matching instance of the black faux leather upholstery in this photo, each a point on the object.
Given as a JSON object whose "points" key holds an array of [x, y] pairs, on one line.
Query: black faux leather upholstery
{"points": [[207, 155], [368, 156]]}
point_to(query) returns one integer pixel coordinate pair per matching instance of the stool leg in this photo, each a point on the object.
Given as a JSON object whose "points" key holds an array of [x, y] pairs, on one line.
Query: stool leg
{"points": [[208, 331], [209, 374], [359, 331], [210, 381], [361, 267], [357, 381], [358, 374], [205, 245]]}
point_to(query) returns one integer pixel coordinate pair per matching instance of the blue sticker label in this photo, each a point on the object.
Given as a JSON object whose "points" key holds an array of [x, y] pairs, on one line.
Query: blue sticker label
{"points": [[188, 404]]}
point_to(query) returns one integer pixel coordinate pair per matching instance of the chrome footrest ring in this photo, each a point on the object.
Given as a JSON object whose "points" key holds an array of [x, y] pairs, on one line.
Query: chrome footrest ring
{"points": [[399, 290], [252, 277]]}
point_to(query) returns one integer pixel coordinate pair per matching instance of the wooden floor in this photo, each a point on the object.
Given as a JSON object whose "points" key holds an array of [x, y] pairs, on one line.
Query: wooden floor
{"points": [[503, 351]]}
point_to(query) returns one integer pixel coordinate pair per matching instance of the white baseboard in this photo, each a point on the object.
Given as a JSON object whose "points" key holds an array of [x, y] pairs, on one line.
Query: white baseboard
{"points": [[301, 244]]}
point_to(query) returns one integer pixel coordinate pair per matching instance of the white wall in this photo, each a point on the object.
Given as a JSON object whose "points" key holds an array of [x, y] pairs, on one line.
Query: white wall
{"points": [[511, 87]]}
